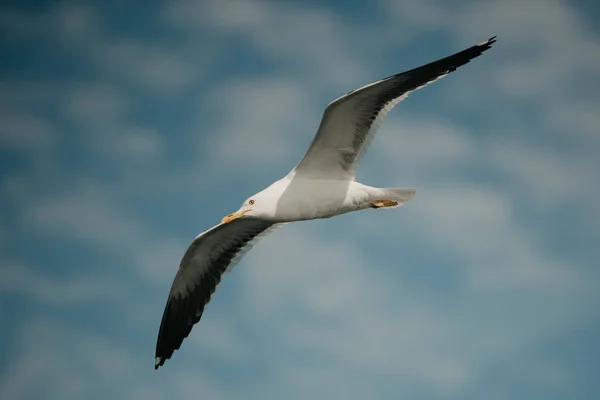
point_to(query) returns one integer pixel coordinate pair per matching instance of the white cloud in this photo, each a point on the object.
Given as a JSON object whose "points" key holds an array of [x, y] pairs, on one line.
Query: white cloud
{"points": [[262, 119], [428, 14], [96, 107], [340, 305], [24, 131], [98, 215], [276, 270], [152, 66], [280, 33], [100, 112], [47, 289], [136, 144], [480, 224], [328, 298], [548, 176], [581, 119], [76, 22], [158, 259], [558, 48], [87, 213], [546, 54], [17, 24], [419, 143], [222, 340], [41, 364], [67, 363], [82, 29]]}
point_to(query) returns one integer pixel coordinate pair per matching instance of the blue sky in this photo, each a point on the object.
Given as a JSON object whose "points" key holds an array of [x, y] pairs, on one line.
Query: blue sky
{"points": [[127, 129]]}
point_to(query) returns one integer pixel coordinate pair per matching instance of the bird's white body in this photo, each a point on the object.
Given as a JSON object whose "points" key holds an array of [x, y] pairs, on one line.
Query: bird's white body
{"points": [[304, 198], [321, 185]]}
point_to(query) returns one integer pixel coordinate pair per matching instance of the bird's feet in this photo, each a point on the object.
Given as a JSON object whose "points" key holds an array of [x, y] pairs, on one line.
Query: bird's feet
{"points": [[384, 203]]}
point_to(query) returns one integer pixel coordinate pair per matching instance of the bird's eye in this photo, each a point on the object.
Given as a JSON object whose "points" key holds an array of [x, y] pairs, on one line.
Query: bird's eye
{"points": [[251, 202]]}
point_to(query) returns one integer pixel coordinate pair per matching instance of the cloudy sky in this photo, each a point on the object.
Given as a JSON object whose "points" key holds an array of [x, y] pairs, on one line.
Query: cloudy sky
{"points": [[127, 129]]}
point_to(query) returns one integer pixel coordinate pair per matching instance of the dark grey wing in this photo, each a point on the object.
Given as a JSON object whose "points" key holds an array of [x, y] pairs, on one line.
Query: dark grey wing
{"points": [[351, 121], [208, 257]]}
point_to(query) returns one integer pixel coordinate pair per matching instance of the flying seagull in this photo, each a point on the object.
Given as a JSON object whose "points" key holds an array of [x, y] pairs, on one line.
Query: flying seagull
{"points": [[322, 185]]}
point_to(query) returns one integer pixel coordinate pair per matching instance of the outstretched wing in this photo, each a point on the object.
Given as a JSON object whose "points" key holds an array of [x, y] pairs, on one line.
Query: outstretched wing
{"points": [[208, 257], [351, 121]]}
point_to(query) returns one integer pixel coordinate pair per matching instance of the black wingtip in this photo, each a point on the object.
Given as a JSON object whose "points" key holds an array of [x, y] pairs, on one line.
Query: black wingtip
{"points": [[488, 43]]}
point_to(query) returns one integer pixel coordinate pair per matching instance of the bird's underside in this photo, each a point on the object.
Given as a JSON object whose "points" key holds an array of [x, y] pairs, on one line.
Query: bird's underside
{"points": [[348, 124]]}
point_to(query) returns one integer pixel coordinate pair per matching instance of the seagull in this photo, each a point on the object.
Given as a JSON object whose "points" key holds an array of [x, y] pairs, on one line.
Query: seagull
{"points": [[321, 185]]}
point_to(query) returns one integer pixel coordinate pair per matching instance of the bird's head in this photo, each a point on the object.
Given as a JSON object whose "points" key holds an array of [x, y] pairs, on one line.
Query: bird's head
{"points": [[261, 205], [254, 206]]}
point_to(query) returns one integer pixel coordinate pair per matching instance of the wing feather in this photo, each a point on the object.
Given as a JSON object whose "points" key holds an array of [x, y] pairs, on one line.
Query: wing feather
{"points": [[208, 257], [350, 122]]}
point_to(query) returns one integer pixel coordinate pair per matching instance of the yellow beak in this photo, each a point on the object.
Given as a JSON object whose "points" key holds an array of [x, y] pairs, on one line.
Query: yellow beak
{"points": [[228, 218]]}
